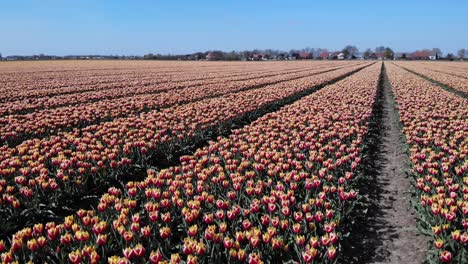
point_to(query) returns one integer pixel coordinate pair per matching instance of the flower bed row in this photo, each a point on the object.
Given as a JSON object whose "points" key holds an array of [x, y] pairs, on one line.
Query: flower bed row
{"points": [[42, 171], [18, 89], [450, 69], [436, 127], [27, 78], [276, 190], [17, 128], [127, 89], [455, 82]]}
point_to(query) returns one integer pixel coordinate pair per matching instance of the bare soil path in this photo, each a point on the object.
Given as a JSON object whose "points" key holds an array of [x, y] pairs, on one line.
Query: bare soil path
{"points": [[401, 242], [387, 232]]}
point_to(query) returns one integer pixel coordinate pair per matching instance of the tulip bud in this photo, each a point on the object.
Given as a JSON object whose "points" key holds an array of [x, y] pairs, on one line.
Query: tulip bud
{"points": [[439, 243], [155, 257], [331, 252], [139, 250], [165, 232], [456, 235], [445, 256]]}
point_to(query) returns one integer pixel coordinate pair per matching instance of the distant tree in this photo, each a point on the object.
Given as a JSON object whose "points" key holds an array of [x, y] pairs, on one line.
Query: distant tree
{"points": [[149, 56], [246, 54], [293, 51], [461, 53], [216, 55], [367, 54], [233, 55], [345, 53], [403, 56], [1, 56], [380, 49], [450, 56], [294, 55], [350, 51], [388, 53], [438, 52]]}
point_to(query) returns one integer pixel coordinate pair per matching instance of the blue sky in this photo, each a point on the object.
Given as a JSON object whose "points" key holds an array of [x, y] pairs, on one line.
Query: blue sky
{"points": [[138, 27]]}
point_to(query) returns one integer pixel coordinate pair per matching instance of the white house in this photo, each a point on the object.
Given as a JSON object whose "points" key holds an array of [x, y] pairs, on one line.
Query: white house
{"points": [[341, 56], [433, 56]]}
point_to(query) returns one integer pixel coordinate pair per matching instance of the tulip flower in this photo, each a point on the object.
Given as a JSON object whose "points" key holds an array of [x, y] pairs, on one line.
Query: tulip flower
{"points": [[445, 256], [165, 232], [155, 257], [234, 186], [75, 257], [2, 246]]}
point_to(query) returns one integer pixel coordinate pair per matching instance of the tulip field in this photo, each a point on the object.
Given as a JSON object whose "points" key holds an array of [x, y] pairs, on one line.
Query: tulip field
{"points": [[220, 162]]}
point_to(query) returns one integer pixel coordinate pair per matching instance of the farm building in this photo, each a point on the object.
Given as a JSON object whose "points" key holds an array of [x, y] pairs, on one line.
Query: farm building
{"points": [[306, 55], [424, 55], [214, 55], [324, 55]]}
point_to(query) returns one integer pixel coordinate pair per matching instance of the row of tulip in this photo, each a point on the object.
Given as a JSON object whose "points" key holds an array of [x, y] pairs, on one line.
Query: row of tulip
{"points": [[451, 70], [17, 128], [279, 189], [28, 78], [436, 128], [128, 89], [147, 78], [78, 84], [18, 89], [57, 68], [18, 84], [448, 65], [43, 170], [455, 82]]}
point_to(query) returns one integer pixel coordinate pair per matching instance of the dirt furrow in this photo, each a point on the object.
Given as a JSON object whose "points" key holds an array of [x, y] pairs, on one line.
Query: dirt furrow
{"points": [[386, 226], [396, 226]]}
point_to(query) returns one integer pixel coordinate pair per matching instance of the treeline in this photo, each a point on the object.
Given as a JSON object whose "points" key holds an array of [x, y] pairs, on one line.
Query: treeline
{"points": [[348, 52], [256, 54], [68, 57]]}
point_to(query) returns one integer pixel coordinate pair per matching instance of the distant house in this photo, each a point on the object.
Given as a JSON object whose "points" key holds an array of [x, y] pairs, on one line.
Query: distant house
{"points": [[258, 57], [379, 55], [324, 55], [293, 56], [305, 55], [334, 55], [433, 56], [214, 55], [211, 56], [424, 55], [14, 58], [358, 56], [340, 56], [401, 55], [419, 55], [280, 56]]}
